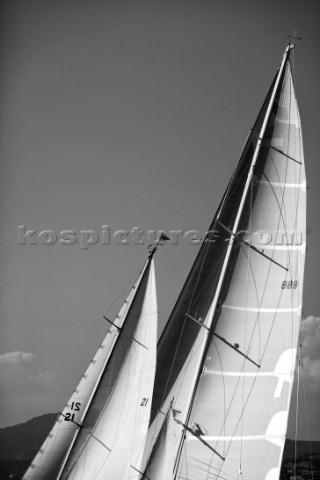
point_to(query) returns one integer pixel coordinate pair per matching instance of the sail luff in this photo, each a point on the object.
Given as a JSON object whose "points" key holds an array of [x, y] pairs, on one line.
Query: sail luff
{"points": [[213, 307]]}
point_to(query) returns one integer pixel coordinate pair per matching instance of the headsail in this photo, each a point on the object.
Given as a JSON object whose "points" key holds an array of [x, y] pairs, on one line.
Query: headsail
{"points": [[48, 461], [240, 309], [161, 463], [113, 433]]}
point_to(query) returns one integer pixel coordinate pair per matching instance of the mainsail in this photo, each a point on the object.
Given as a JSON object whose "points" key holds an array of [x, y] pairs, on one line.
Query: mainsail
{"points": [[101, 375], [227, 356]]}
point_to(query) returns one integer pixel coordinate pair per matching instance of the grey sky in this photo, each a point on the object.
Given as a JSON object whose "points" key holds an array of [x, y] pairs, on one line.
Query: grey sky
{"points": [[127, 114]]}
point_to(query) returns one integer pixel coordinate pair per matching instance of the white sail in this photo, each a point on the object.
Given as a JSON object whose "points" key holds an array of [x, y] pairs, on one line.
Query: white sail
{"points": [[113, 447], [243, 402], [49, 459], [161, 463], [234, 423], [179, 396]]}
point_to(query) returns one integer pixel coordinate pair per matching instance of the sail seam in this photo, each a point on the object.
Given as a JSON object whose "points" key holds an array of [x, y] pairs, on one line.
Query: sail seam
{"points": [[261, 310], [239, 438], [301, 247], [285, 185], [247, 374]]}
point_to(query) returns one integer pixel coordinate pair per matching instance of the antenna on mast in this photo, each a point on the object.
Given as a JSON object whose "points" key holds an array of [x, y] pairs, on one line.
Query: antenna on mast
{"points": [[293, 39], [154, 247]]}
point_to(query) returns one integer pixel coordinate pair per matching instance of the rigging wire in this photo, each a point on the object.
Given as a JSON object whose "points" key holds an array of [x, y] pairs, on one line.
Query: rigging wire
{"points": [[297, 414], [290, 252], [251, 201], [244, 404], [85, 357], [307, 419], [283, 218]]}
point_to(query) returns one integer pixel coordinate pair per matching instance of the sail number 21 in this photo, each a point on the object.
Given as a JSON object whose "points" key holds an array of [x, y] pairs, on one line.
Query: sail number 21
{"points": [[289, 284], [75, 406]]}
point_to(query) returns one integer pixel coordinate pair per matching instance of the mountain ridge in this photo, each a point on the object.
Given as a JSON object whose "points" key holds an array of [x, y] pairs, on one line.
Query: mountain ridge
{"points": [[20, 443]]}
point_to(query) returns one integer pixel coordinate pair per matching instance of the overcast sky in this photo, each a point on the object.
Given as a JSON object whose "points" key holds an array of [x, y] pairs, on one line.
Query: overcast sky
{"points": [[130, 114]]}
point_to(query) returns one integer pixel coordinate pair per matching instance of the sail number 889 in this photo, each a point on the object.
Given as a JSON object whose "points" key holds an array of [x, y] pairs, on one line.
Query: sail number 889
{"points": [[289, 284]]}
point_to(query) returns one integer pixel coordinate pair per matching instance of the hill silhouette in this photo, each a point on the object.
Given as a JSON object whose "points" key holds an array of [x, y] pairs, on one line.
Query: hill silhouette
{"points": [[20, 443]]}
